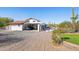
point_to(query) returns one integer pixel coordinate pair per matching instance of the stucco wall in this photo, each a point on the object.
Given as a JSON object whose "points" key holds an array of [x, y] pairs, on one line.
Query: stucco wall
{"points": [[32, 21], [15, 27]]}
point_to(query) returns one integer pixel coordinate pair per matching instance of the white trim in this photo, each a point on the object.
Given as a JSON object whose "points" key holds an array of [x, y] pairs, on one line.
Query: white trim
{"points": [[38, 27]]}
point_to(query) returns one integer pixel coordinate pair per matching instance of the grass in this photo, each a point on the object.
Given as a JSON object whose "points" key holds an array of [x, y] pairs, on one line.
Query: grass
{"points": [[72, 38]]}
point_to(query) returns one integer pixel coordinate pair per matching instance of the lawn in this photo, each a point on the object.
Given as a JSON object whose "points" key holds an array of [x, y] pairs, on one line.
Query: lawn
{"points": [[72, 38]]}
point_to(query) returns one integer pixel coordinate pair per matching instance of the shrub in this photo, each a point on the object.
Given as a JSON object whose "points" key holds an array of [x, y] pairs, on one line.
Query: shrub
{"points": [[66, 26], [56, 37]]}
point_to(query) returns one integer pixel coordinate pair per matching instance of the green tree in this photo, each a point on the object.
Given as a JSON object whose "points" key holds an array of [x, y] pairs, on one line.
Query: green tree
{"points": [[77, 26], [65, 26], [4, 21], [2, 24], [74, 20]]}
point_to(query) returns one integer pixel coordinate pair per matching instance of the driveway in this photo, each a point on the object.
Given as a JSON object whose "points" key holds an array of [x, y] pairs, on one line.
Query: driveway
{"points": [[29, 41]]}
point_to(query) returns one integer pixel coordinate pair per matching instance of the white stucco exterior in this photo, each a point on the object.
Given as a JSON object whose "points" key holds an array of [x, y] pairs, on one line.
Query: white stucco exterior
{"points": [[32, 21], [15, 27], [38, 27], [19, 27]]}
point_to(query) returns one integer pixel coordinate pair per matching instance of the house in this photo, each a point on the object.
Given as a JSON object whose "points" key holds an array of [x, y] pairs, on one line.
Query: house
{"points": [[28, 24]]}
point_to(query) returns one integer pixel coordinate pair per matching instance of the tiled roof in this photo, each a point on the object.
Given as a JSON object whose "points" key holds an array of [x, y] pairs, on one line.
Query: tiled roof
{"points": [[16, 23], [21, 22]]}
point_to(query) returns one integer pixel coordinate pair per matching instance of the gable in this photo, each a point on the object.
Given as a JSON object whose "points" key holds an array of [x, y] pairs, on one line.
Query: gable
{"points": [[32, 20]]}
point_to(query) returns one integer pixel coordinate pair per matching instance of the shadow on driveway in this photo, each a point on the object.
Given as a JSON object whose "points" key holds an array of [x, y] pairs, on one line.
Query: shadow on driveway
{"points": [[6, 39]]}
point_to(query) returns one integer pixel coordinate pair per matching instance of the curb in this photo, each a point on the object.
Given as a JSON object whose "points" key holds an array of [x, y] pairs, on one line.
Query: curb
{"points": [[71, 44]]}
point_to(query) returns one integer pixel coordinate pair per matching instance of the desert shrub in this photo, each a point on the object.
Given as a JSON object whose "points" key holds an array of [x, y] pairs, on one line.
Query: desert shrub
{"points": [[56, 37]]}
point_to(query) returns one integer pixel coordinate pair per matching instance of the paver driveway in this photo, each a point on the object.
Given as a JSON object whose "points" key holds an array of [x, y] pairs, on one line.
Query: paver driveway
{"points": [[29, 41]]}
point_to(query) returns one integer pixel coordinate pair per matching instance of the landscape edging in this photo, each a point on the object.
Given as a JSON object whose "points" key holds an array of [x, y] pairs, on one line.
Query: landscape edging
{"points": [[71, 44]]}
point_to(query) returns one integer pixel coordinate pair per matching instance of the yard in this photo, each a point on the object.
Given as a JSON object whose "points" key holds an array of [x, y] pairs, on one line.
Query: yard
{"points": [[72, 38]]}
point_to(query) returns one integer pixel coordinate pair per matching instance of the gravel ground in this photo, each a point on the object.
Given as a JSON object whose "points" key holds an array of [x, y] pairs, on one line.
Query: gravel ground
{"points": [[30, 41]]}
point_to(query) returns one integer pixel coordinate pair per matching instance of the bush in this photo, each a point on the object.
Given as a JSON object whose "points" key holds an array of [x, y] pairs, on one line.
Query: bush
{"points": [[56, 37], [66, 27]]}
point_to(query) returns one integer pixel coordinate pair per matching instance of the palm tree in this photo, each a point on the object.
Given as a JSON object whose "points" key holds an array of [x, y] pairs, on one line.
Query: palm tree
{"points": [[74, 20], [77, 25]]}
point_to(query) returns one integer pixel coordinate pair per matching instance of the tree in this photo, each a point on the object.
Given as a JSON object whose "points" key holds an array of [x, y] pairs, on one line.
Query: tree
{"points": [[2, 24], [77, 26], [4, 21], [50, 25], [74, 20], [65, 26]]}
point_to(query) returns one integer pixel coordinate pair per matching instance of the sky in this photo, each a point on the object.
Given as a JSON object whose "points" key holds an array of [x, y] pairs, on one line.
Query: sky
{"points": [[44, 14]]}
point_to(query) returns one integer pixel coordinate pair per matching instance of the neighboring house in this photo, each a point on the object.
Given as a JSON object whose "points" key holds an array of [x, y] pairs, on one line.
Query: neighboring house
{"points": [[17, 25], [28, 24]]}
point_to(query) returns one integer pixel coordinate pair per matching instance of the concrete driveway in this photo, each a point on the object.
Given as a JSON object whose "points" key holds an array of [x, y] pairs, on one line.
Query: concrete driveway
{"points": [[29, 41]]}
